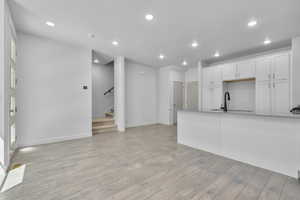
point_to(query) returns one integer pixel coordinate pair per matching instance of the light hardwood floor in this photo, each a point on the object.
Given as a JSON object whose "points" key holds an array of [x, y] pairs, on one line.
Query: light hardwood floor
{"points": [[142, 163]]}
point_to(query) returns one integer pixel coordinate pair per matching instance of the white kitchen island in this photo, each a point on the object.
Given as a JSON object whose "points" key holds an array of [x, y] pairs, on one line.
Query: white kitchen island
{"points": [[270, 142]]}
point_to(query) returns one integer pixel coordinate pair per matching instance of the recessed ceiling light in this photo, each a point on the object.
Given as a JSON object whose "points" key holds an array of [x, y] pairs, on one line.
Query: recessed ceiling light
{"points": [[195, 44], [217, 54], [96, 61], [149, 17], [267, 41], [51, 24], [161, 56], [184, 63], [115, 43], [252, 23]]}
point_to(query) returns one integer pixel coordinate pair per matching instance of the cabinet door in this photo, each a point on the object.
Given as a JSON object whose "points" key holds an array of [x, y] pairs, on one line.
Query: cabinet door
{"points": [[216, 74], [212, 76], [217, 95], [263, 98], [206, 93], [281, 67], [263, 69], [229, 72], [245, 70], [212, 98], [280, 97]]}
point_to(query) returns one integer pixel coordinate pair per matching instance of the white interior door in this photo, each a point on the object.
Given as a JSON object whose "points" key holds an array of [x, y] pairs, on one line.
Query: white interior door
{"points": [[177, 99], [192, 95]]}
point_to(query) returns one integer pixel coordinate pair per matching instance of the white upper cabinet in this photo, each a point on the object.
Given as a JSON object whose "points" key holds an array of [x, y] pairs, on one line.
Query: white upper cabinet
{"points": [[263, 69], [212, 76], [240, 70], [281, 69], [229, 72], [245, 69], [217, 75], [272, 77]]}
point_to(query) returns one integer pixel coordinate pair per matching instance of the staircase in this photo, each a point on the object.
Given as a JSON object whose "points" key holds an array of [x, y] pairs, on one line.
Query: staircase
{"points": [[103, 125]]}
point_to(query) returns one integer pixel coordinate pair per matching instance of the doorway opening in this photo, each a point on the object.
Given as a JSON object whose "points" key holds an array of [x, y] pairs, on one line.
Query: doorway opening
{"points": [[103, 111], [178, 99]]}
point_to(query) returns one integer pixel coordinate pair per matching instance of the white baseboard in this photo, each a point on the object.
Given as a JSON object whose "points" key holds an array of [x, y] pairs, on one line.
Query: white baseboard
{"points": [[53, 140], [139, 124]]}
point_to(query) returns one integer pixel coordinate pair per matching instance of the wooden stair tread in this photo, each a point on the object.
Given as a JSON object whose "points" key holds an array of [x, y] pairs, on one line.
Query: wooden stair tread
{"points": [[104, 126], [109, 114], [107, 130], [104, 119]]}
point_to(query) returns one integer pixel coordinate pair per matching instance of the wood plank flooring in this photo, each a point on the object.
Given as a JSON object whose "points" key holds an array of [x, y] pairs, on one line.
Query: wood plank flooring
{"points": [[142, 163]]}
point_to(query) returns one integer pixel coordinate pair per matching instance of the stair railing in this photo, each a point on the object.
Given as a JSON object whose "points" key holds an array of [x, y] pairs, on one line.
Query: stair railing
{"points": [[109, 91]]}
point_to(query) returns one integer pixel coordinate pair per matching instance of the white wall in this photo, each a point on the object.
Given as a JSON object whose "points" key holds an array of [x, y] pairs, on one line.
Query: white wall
{"points": [[141, 94], [7, 31], [2, 88], [296, 71], [242, 95], [52, 103], [200, 80], [103, 79], [119, 92]]}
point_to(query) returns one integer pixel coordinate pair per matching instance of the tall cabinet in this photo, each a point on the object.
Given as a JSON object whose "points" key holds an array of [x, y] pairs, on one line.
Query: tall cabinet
{"points": [[273, 84], [212, 87]]}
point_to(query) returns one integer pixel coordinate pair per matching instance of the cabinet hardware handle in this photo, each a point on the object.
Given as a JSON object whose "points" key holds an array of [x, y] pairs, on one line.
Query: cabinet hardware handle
{"points": [[273, 85], [273, 75]]}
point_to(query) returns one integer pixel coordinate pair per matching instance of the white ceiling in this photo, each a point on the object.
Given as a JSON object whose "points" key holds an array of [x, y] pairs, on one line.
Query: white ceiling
{"points": [[216, 25]]}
